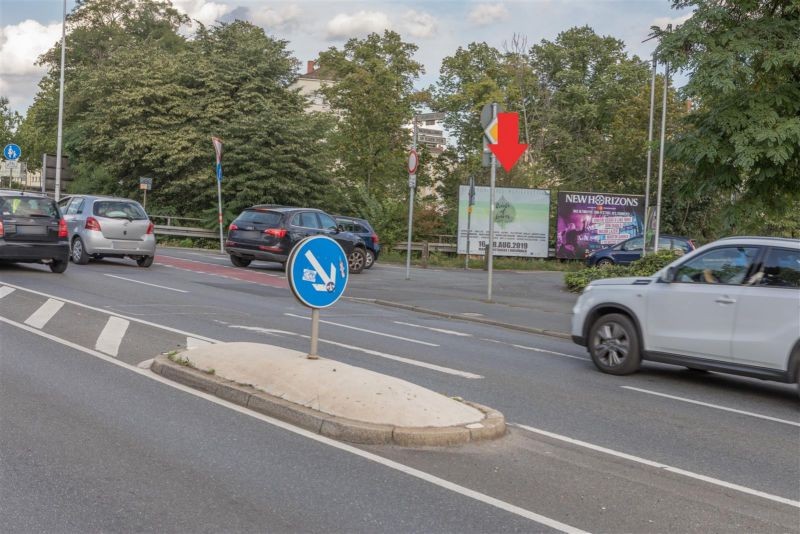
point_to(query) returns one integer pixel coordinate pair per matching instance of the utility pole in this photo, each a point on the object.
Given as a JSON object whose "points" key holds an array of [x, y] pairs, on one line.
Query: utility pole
{"points": [[60, 103], [661, 152], [649, 154]]}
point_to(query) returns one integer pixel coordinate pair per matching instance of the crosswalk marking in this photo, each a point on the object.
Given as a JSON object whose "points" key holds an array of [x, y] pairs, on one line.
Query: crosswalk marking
{"points": [[46, 311], [5, 290], [111, 336]]}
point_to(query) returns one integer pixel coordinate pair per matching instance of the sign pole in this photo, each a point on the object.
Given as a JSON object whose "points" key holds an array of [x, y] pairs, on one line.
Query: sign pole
{"points": [[217, 142], [145, 200], [412, 184], [61, 104], [470, 203], [661, 157], [492, 175], [314, 334], [649, 153]]}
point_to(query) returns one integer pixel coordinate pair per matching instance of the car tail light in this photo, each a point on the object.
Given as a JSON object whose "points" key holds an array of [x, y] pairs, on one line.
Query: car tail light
{"points": [[150, 228], [2, 230], [374, 238], [92, 224], [62, 228], [280, 233], [232, 227]]}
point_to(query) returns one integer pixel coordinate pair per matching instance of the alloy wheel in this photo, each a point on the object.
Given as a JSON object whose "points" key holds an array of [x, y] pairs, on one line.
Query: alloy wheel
{"points": [[611, 344]]}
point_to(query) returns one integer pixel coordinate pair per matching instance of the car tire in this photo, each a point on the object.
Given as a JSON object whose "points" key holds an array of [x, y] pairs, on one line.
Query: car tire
{"points": [[145, 261], [78, 252], [356, 260], [59, 266], [369, 260], [614, 345], [239, 262], [604, 262]]}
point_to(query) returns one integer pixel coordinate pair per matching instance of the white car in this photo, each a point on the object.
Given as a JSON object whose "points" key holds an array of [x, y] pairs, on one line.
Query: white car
{"points": [[731, 306]]}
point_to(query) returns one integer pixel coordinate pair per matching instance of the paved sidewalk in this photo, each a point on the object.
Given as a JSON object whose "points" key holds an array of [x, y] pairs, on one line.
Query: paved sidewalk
{"points": [[535, 301]]}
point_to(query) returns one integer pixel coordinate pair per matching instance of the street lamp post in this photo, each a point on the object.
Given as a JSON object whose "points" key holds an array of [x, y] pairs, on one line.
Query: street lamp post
{"points": [[60, 104]]}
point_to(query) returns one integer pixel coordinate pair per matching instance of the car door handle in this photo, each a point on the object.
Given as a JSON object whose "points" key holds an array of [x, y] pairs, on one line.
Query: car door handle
{"points": [[726, 300]]}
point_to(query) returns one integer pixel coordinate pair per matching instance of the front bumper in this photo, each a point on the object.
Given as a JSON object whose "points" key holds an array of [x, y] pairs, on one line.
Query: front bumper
{"points": [[33, 251]]}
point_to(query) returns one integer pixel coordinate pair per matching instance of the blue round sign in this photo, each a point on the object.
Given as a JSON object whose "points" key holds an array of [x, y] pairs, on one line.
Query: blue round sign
{"points": [[12, 152], [317, 270]]}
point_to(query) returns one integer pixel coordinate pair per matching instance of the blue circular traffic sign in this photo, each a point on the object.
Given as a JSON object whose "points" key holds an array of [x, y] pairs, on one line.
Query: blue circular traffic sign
{"points": [[317, 270], [12, 152]]}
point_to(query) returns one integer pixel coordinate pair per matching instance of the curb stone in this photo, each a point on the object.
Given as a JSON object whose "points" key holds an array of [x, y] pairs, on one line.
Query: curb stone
{"points": [[492, 426], [460, 317]]}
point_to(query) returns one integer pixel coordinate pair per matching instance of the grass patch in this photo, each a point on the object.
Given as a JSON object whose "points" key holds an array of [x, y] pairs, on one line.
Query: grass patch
{"points": [[454, 261], [189, 242], [180, 360]]}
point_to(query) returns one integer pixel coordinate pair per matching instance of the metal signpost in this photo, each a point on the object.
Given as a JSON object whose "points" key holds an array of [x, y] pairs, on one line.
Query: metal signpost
{"points": [[489, 116], [61, 102], [470, 204], [218, 150], [11, 153], [317, 273], [145, 184], [413, 163]]}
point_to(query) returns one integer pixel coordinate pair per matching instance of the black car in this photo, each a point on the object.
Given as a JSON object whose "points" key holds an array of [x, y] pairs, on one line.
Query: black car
{"points": [[364, 230], [631, 250], [269, 233], [32, 230]]}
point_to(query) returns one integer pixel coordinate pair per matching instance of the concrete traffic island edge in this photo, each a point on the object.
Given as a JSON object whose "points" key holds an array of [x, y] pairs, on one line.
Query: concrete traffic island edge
{"points": [[492, 426]]}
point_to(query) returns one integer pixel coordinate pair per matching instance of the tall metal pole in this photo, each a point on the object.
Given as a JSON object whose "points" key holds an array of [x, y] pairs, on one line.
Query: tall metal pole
{"points": [[219, 203], [470, 199], [60, 103], [411, 195], [493, 175], [661, 155], [649, 153]]}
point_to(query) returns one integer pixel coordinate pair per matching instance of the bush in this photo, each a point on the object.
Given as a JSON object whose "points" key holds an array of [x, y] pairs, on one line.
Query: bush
{"points": [[647, 266]]}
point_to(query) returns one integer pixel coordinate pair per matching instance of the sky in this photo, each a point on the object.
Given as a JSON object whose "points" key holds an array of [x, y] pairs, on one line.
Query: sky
{"points": [[438, 27]]}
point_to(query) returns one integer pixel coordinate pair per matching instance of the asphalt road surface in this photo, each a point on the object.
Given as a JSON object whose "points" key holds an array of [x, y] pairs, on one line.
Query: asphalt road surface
{"points": [[91, 442]]}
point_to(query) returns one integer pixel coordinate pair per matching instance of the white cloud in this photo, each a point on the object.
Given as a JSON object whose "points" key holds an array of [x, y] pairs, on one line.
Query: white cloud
{"points": [[344, 26], [205, 12], [419, 24], [20, 47], [275, 17], [485, 14], [662, 22]]}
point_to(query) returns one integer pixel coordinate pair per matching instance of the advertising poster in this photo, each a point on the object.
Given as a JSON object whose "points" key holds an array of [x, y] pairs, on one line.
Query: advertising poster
{"points": [[521, 221], [592, 221]]}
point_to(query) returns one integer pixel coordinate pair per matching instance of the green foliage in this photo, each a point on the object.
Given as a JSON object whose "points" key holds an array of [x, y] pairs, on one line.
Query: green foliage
{"points": [[743, 139], [9, 122], [646, 266]]}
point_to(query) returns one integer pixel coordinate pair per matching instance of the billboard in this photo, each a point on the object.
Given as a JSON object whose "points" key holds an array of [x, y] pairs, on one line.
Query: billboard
{"points": [[521, 221], [592, 221]]}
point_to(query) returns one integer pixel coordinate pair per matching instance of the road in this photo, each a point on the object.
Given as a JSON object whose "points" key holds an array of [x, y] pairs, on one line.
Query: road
{"points": [[90, 441]]}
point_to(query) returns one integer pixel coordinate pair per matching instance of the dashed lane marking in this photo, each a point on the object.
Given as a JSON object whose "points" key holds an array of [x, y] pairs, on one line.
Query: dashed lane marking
{"points": [[146, 283], [340, 325], [432, 329], [44, 313], [535, 349], [111, 336]]}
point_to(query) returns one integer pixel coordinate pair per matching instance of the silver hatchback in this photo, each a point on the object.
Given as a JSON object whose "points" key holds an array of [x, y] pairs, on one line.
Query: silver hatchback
{"points": [[101, 227]]}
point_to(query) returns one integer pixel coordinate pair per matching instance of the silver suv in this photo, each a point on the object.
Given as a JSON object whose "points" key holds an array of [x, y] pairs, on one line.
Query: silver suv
{"points": [[112, 227], [732, 306]]}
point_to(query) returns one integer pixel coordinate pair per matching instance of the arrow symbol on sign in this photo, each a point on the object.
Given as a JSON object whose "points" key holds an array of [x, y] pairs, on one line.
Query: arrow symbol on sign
{"points": [[328, 282], [508, 148]]}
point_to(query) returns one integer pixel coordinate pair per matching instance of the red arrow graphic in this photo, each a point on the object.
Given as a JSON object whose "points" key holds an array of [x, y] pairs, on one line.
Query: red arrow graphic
{"points": [[508, 148]]}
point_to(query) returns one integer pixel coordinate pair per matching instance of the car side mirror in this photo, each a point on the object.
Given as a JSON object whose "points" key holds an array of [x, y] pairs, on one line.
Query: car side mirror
{"points": [[669, 276]]}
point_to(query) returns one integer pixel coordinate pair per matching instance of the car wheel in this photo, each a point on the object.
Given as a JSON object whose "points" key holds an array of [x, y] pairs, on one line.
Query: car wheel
{"points": [[239, 262], [356, 260], [605, 262], [614, 345], [145, 261], [369, 260], [59, 266], [78, 253]]}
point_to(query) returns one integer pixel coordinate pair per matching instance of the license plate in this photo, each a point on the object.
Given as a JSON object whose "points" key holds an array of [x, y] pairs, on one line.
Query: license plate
{"points": [[31, 230], [125, 245]]}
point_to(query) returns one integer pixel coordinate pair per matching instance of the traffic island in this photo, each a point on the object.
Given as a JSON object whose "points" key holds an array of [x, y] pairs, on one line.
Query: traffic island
{"points": [[331, 398]]}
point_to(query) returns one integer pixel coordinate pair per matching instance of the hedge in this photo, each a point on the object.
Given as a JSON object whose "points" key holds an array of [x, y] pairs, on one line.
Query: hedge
{"points": [[646, 266]]}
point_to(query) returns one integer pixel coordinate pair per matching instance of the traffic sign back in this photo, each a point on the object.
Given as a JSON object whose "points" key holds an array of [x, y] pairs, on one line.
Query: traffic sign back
{"points": [[317, 270]]}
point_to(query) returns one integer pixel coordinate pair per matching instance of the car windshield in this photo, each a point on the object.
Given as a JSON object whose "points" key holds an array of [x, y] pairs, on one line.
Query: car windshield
{"points": [[119, 209], [20, 206]]}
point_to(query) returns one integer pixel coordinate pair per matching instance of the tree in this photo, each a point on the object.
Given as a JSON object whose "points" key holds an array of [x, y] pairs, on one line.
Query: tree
{"points": [[743, 135], [9, 122]]}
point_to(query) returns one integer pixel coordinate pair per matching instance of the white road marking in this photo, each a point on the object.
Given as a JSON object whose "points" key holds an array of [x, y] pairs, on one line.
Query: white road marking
{"points": [[535, 349], [401, 359], [146, 283], [391, 464], [115, 314], [365, 330], [111, 336], [5, 291], [716, 406], [440, 330], [193, 342], [658, 465], [46, 311]]}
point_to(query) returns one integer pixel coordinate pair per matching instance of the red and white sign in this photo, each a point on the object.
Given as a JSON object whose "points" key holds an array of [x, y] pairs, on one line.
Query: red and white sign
{"points": [[413, 161]]}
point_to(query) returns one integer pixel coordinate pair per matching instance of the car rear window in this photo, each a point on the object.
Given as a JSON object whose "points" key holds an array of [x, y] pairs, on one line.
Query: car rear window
{"points": [[271, 219], [20, 206], [118, 209]]}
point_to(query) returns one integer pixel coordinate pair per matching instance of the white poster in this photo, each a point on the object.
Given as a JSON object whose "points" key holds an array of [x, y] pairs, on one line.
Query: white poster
{"points": [[522, 221]]}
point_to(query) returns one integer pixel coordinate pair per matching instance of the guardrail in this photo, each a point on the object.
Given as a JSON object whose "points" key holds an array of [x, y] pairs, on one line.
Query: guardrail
{"points": [[179, 230]]}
